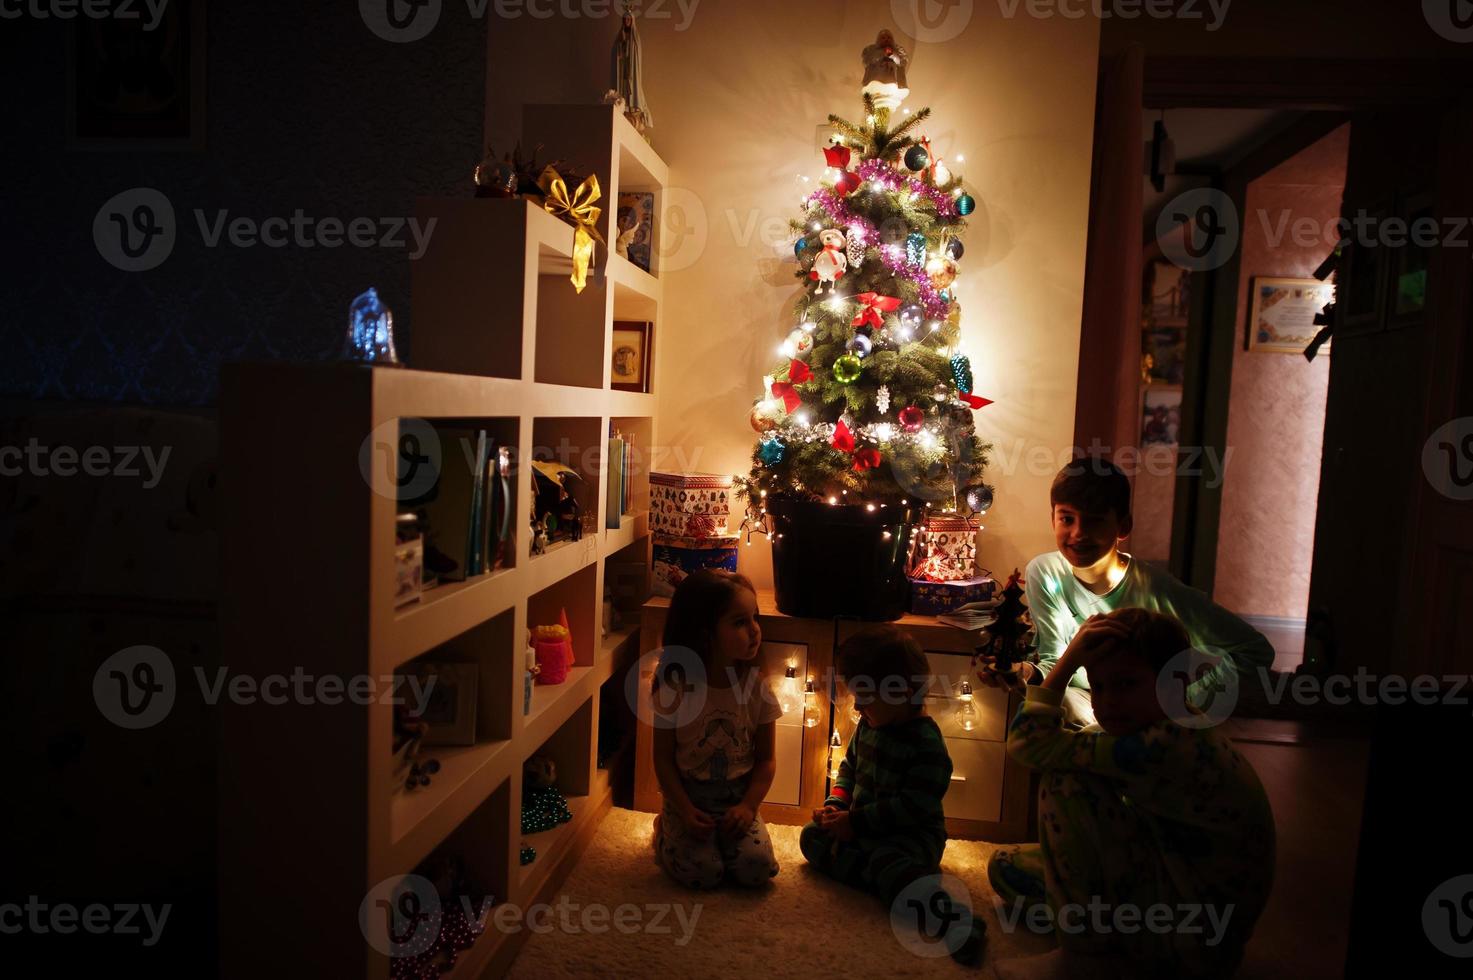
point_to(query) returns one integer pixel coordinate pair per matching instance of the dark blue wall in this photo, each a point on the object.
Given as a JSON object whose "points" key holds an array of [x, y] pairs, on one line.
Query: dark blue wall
{"points": [[306, 109]]}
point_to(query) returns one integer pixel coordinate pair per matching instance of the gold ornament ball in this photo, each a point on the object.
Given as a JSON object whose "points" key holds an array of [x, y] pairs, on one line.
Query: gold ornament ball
{"points": [[941, 270], [761, 422]]}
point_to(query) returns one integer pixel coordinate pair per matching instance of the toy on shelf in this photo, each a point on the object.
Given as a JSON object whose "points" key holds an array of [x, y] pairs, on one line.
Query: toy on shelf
{"points": [[554, 506], [543, 805], [409, 771], [554, 651], [449, 930]]}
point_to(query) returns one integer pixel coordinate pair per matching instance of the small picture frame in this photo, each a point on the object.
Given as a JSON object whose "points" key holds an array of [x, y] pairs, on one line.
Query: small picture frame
{"points": [[450, 704], [1281, 320], [1160, 415], [168, 50], [629, 356], [635, 227]]}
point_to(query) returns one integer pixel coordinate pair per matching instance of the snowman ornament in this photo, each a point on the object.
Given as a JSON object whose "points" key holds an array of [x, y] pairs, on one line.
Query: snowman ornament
{"points": [[830, 264]]}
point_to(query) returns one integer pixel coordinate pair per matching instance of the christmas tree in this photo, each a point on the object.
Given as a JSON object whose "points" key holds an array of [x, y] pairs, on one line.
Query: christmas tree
{"points": [[871, 402]]}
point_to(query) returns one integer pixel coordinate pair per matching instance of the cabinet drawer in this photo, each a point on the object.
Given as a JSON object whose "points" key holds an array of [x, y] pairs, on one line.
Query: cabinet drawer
{"points": [[942, 701], [976, 780], [787, 783]]}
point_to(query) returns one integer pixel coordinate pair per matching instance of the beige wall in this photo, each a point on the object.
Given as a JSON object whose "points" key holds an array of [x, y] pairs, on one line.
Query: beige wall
{"points": [[738, 98], [1276, 409]]}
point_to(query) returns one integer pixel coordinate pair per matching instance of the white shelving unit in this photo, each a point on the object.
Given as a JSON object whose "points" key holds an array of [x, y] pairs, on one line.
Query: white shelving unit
{"points": [[309, 819]]}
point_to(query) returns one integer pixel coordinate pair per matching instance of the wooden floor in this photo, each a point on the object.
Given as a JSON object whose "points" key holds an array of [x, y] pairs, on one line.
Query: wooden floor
{"points": [[1316, 783]]}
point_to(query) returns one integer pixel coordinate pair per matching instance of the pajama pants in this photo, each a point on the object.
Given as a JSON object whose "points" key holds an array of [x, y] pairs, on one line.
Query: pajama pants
{"points": [[1096, 848], [884, 866], [881, 866], [702, 862]]}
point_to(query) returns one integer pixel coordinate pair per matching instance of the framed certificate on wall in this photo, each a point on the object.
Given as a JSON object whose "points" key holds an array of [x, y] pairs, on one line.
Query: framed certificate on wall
{"points": [[1283, 311]]}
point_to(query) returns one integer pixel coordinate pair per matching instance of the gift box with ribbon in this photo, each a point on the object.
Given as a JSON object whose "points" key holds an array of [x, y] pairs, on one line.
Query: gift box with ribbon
{"points": [[689, 505], [929, 598], [945, 550], [675, 557]]}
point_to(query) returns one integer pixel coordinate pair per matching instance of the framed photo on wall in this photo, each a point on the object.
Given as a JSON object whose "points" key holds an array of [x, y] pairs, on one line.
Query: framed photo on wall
{"points": [[629, 368], [138, 83], [1281, 318], [1160, 415]]}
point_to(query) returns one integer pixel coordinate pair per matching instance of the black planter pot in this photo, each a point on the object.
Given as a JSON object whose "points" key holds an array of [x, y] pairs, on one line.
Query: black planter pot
{"points": [[832, 560]]}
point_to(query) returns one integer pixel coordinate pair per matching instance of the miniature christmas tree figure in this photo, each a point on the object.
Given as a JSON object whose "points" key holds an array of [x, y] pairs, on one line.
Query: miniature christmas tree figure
{"points": [[1007, 638]]}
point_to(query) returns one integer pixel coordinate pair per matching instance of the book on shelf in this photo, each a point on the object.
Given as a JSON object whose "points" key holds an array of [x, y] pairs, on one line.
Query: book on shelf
{"points": [[627, 495], [477, 546], [614, 492], [499, 506], [448, 522]]}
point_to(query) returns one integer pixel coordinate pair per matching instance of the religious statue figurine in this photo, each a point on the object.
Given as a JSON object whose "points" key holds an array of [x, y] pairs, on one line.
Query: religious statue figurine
{"points": [[628, 74], [884, 71]]}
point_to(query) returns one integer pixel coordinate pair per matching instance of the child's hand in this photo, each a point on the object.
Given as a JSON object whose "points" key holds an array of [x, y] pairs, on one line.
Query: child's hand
{"points": [[818, 814], [736, 820], [990, 676], [698, 823], [837, 824], [1096, 636]]}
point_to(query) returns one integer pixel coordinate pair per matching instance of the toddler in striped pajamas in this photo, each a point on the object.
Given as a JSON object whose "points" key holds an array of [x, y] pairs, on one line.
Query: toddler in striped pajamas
{"points": [[882, 828]]}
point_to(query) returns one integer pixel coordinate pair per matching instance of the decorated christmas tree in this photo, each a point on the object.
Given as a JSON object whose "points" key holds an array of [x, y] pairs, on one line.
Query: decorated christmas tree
{"points": [[871, 403]]}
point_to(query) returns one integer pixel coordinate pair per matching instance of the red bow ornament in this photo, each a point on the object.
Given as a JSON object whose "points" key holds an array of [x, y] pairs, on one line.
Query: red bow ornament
{"points": [[838, 158], [798, 372], [866, 459], [843, 439], [872, 309]]}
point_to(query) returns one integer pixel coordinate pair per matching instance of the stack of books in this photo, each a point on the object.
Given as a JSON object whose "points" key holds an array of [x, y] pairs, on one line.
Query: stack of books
{"points": [[620, 495], [466, 517]]}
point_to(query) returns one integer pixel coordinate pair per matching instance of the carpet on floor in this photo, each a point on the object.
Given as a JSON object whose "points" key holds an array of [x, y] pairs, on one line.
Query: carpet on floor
{"points": [[803, 924]]}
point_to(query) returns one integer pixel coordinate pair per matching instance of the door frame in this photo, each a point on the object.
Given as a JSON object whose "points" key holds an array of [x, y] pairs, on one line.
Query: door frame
{"points": [[1331, 89]]}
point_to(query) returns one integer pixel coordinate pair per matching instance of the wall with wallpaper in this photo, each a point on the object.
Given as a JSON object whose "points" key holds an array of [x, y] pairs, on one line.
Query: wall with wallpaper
{"points": [[306, 109]]}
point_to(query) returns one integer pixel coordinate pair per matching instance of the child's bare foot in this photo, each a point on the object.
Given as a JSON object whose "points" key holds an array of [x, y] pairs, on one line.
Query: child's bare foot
{"points": [[1062, 965]]}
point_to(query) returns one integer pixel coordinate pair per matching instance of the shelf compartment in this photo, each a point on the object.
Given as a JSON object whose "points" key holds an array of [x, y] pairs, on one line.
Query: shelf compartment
{"points": [[421, 817], [637, 294], [579, 444], [640, 429], [568, 748], [573, 595], [570, 329], [483, 256], [443, 470], [482, 842]]}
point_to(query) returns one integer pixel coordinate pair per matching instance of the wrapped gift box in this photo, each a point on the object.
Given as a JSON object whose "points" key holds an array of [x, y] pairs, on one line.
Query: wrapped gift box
{"points": [[945, 548], [675, 557], [689, 504], [929, 598]]}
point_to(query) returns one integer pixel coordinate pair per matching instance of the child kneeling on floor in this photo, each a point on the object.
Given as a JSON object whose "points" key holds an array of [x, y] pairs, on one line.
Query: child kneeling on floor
{"points": [[1156, 851], [715, 728], [882, 827]]}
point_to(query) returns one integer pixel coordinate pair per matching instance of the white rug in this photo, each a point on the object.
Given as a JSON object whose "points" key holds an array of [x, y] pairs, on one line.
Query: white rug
{"points": [[803, 925]]}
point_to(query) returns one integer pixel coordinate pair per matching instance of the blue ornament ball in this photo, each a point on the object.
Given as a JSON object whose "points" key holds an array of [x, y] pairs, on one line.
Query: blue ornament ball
{"points": [[800, 246], [965, 205], [916, 157], [955, 249], [860, 345], [771, 451]]}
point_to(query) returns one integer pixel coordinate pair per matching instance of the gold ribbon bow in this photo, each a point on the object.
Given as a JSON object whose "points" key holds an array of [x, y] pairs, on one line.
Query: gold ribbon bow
{"points": [[579, 211]]}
